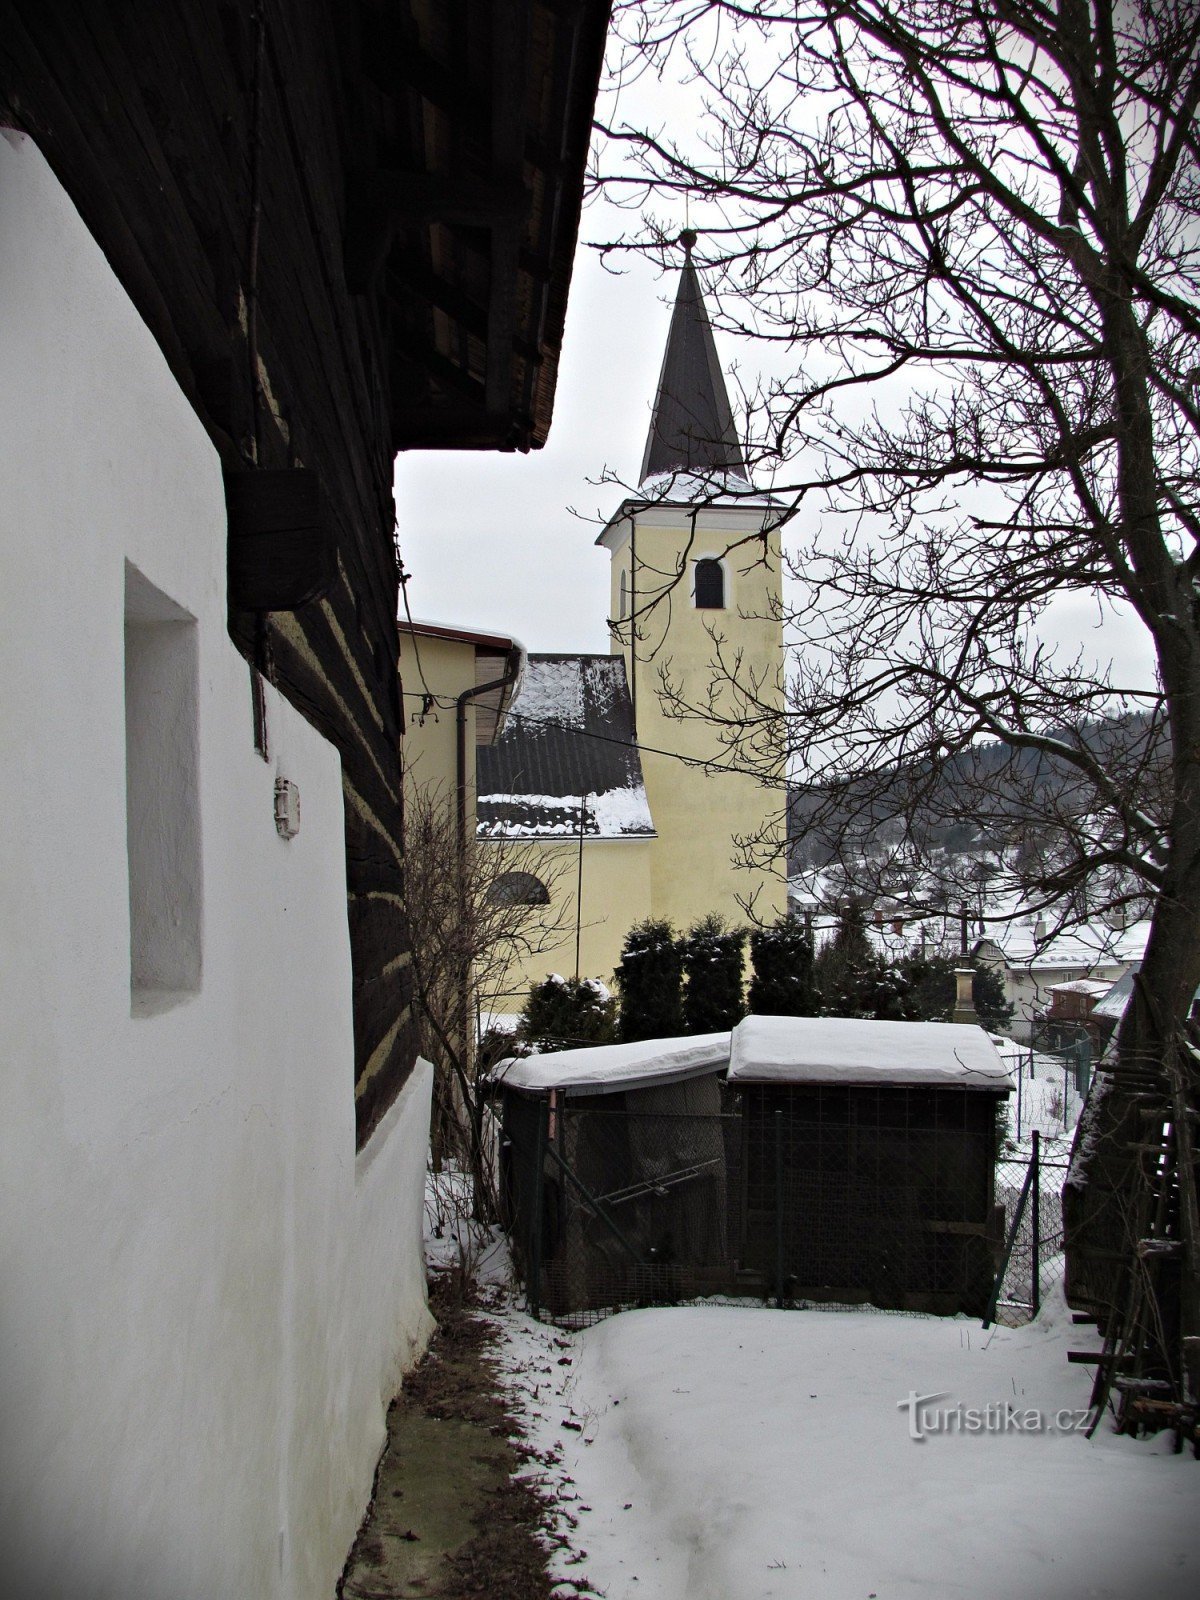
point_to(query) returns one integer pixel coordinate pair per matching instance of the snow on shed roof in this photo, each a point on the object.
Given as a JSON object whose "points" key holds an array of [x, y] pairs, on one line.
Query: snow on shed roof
{"points": [[568, 743], [1113, 1004], [611, 1068], [1096, 986], [846, 1050]]}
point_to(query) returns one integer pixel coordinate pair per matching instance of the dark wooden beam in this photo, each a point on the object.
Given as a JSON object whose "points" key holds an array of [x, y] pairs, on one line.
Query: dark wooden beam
{"points": [[511, 27], [396, 63], [407, 275], [378, 202], [409, 345], [451, 428], [282, 553]]}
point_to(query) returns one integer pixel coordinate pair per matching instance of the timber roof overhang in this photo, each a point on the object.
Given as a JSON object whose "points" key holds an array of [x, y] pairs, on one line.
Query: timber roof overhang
{"points": [[435, 149], [462, 214]]}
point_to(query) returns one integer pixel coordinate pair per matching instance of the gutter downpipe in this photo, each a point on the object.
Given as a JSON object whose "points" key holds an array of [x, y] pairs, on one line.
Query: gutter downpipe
{"points": [[633, 622], [511, 674]]}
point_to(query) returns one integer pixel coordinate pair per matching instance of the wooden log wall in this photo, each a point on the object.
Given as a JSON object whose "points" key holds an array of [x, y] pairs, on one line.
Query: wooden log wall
{"points": [[209, 149]]}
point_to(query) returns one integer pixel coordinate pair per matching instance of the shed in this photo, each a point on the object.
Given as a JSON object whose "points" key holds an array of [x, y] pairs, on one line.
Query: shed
{"points": [[621, 1153], [868, 1159]]}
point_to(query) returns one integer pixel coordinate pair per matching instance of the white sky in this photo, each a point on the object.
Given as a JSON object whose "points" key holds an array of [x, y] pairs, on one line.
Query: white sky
{"points": [[506, 541], [491, 540]]}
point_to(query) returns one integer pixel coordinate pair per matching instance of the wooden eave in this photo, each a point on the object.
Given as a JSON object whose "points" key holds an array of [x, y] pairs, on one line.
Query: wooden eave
{"points": [[416, 170], [466, 239]]}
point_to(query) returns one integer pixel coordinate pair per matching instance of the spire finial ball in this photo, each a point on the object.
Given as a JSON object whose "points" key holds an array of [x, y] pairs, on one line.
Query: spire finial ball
{"points": [[688, 240]]}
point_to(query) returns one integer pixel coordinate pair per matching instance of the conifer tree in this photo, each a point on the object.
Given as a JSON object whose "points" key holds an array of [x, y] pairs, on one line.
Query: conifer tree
{"points": [[713, 958], [782, 984], [568, 1013], [930, 991], [650, 982], [846, 968]]}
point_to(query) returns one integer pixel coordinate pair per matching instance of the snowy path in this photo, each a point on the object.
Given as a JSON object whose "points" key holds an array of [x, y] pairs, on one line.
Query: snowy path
{"points": [[731, 1454]]}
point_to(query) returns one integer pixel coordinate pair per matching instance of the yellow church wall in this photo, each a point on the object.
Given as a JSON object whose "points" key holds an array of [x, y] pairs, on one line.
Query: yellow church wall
{"points": [[698, 815], [428, 749], [616, 894]]}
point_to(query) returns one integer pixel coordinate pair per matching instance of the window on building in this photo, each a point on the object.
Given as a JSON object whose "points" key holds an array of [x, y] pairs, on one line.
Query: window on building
{"points": [[709, 585], [624, 596], [518, 889], [162, 801]]}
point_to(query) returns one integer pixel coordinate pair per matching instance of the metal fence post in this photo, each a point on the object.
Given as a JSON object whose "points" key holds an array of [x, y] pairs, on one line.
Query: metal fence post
{"points": [[1020, 1075], [536, 1205], [1035, 1200], [779, 1209]]}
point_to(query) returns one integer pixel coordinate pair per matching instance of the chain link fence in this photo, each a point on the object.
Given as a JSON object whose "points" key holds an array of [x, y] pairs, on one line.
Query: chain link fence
{"points": [[889, 1198], [1029, 1188]]}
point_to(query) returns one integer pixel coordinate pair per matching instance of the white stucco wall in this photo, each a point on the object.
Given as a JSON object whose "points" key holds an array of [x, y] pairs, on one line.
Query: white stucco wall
{"points": [[206, 1299]]}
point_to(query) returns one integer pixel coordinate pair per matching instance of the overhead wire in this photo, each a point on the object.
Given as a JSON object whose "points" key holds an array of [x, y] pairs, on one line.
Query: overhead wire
{"points": [[625, 744]]}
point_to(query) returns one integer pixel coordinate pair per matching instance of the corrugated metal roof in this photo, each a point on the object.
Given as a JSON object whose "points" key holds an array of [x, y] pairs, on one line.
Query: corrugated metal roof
{"points": [[567, 747]]}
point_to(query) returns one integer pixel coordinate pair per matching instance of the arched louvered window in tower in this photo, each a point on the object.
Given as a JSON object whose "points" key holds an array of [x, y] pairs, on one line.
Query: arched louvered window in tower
{"points": [[709, 585]]}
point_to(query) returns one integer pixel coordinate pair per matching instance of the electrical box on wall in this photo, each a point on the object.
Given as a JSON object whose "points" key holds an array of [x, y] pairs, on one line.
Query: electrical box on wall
{"points": [[287, 808]]}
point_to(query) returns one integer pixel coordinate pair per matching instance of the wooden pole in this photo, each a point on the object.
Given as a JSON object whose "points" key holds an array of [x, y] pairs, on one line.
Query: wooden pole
{"points": [[579, 883], [779, 1209]]}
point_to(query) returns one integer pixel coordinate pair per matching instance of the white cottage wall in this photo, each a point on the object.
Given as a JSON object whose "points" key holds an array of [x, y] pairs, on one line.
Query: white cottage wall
{"points": [[207, 1298]]}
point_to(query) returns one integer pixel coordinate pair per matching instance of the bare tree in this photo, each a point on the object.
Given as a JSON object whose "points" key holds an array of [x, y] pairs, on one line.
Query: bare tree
{"points": [[473, 920], [970, 230], [973, 225]]}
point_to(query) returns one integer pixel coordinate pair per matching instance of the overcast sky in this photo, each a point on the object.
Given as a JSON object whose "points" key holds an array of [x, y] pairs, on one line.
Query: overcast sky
{"points": [[507, 542], [491, 540]]}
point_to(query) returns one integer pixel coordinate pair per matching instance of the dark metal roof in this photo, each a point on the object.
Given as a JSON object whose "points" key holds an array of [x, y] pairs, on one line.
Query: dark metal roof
{"points": [[567, 742], [692, 429]]}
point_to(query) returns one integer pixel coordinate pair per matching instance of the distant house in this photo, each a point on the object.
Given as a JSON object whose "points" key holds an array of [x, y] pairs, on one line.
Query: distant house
{"points": [[247, 253], [457, 686], [1032, 963], [592, 751]]}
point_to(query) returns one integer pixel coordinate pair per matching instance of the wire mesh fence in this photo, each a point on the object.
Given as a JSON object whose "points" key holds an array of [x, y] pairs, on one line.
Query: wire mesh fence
{"points": [[1029, 1189], [892, 1198]]}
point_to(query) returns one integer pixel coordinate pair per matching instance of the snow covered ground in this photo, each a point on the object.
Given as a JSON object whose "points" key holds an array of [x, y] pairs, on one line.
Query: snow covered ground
{"points": [[721, 1453], [715, 1452]]}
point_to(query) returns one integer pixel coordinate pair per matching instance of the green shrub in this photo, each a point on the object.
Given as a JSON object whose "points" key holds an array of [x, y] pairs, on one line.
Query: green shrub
{"points": [[782, 983], [713, 957], [650, 982], [568, 1013], [932, 989]]}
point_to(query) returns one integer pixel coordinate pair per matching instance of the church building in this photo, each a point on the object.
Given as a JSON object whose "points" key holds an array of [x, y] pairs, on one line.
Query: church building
{"points": [[626, 766]]}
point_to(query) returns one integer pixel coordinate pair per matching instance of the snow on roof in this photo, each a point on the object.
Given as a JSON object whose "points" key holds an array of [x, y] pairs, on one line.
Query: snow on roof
{"points": [[1096, 986], [610, 1068], [567, 761], [847, 1050], [1091, 945], [610, 815], [424, 627], [1117, 998]]}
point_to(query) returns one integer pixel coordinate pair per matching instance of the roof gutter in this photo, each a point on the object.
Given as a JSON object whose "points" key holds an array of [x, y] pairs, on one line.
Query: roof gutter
{"points": [[511, 673]]}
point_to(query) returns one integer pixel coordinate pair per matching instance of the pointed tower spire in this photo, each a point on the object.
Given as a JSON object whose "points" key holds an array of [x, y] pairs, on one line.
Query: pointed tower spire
{"points": [[692, 428]]}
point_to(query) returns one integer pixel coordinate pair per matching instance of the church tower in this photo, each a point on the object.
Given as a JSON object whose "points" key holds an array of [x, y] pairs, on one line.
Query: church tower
{"points": [[696, 593]]}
